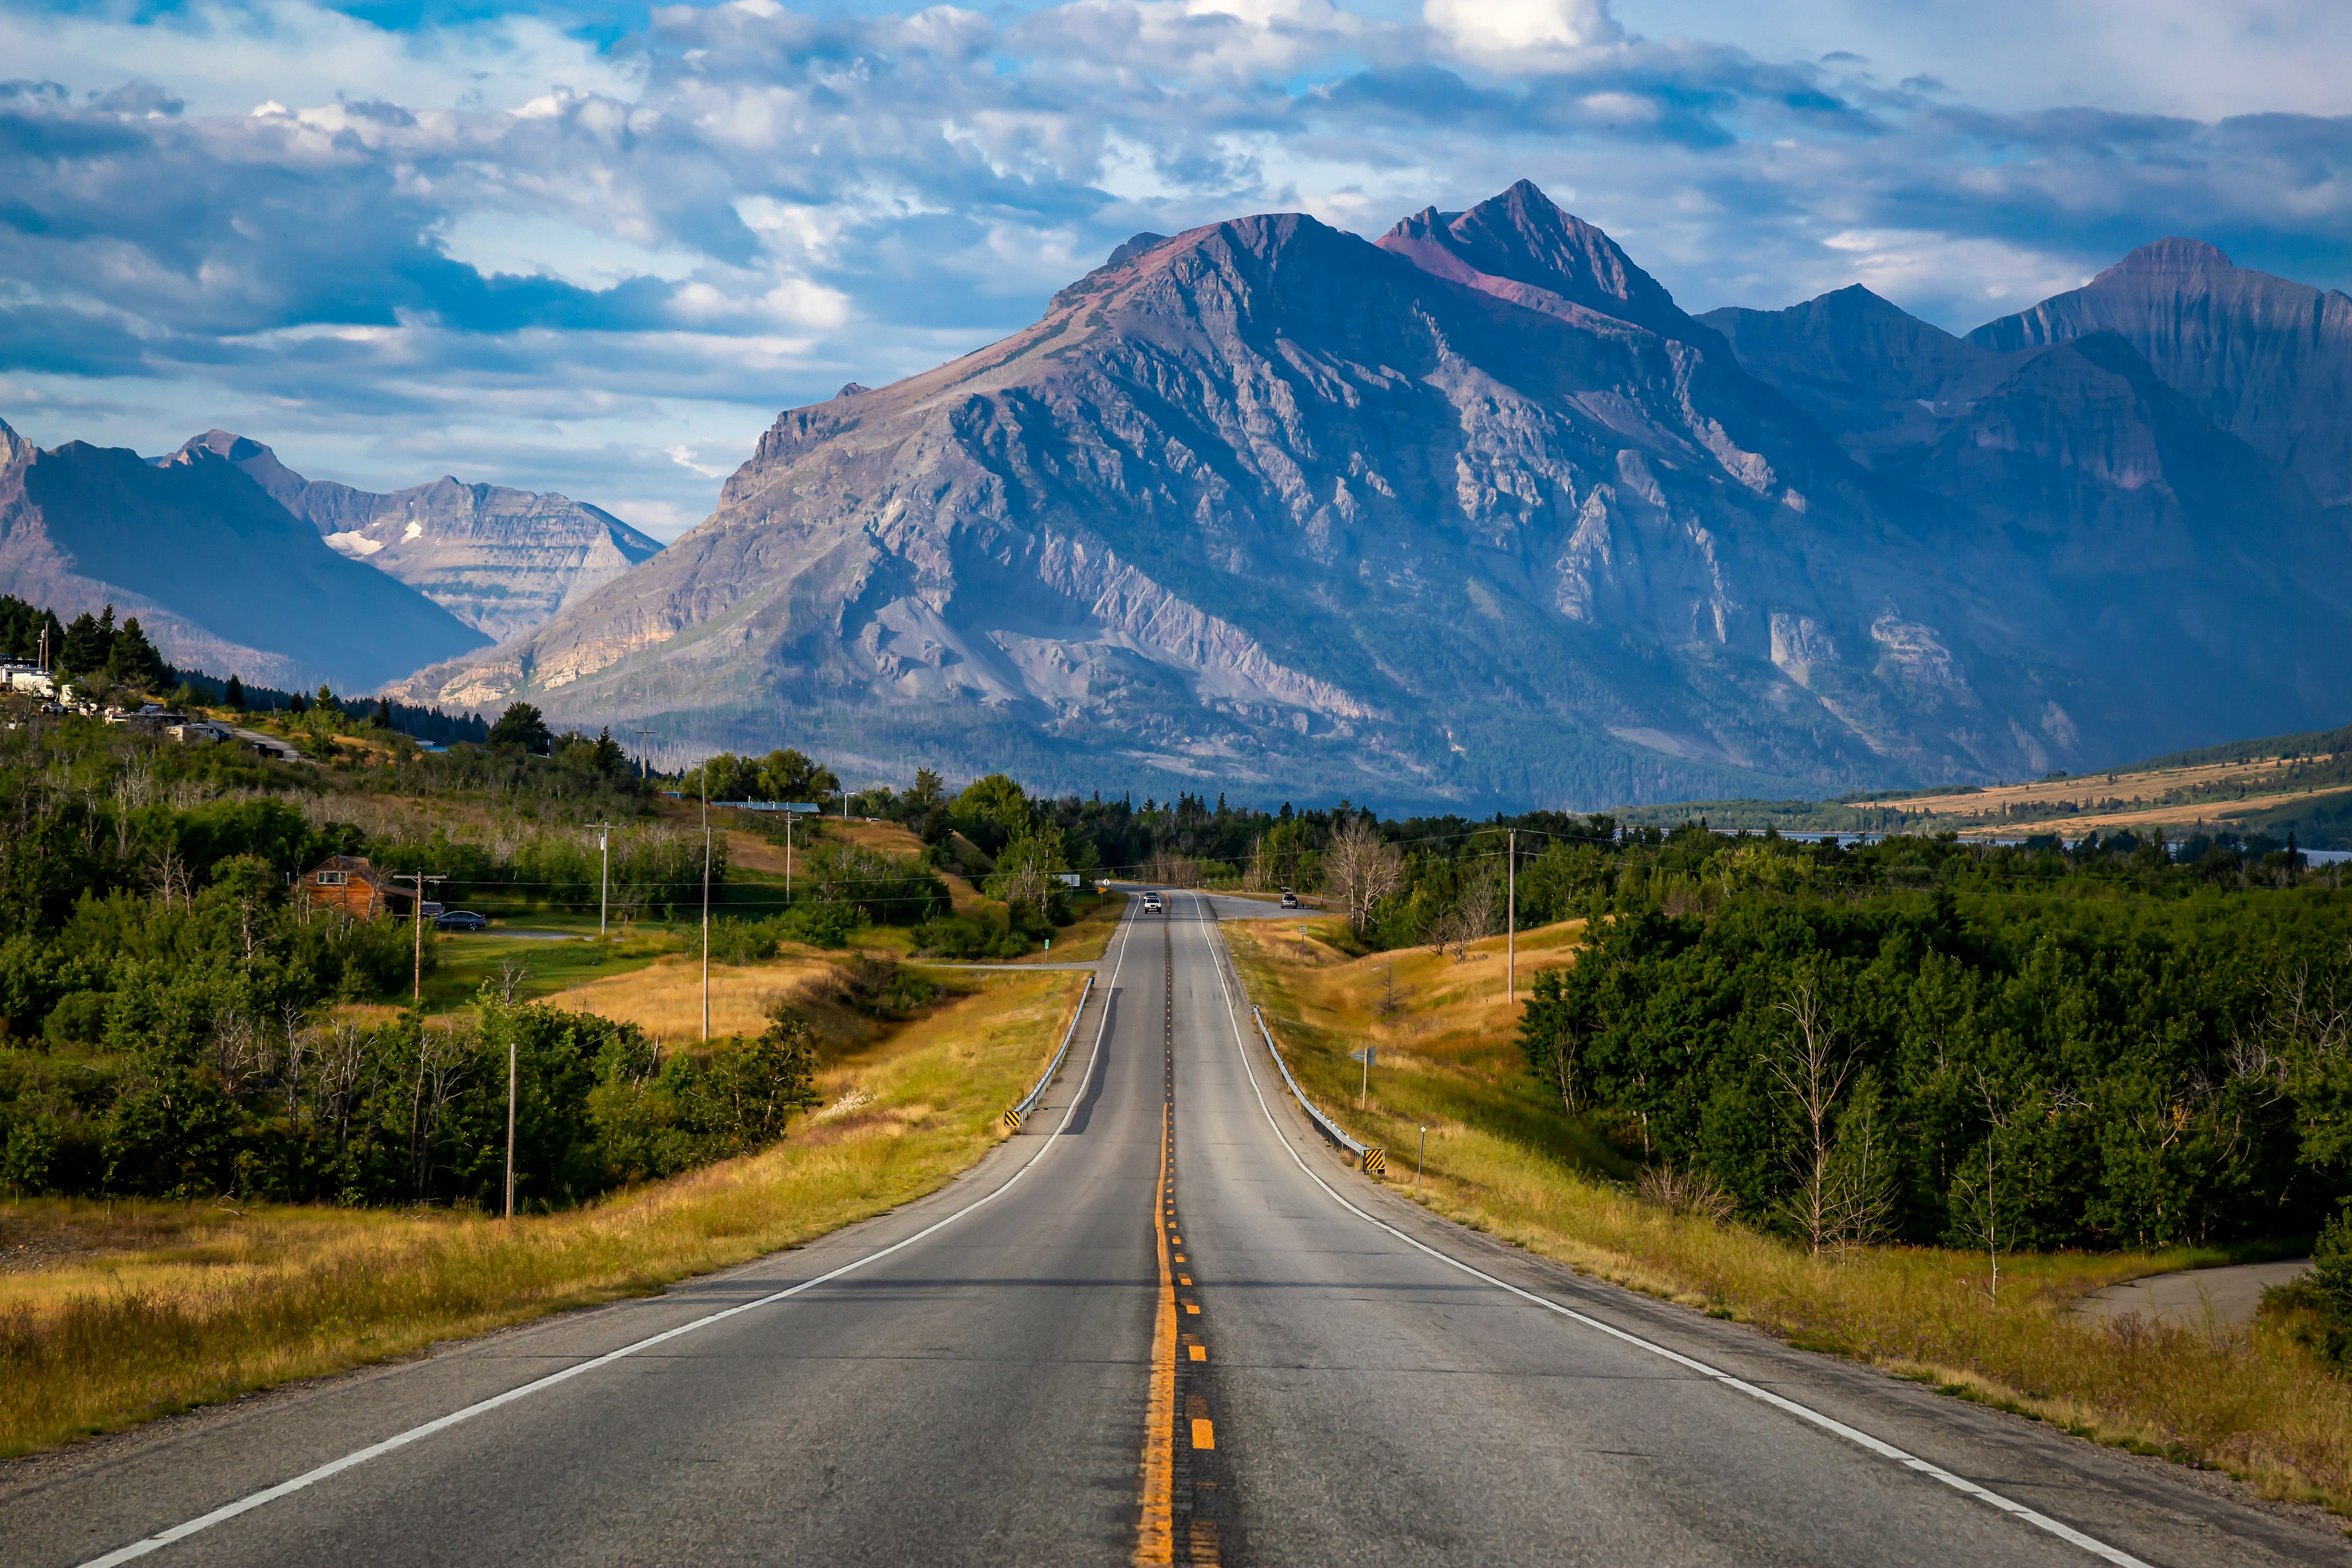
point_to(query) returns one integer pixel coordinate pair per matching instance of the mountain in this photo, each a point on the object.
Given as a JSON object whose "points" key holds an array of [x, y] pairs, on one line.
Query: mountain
{"points": [[1474, 514], [2142, 537], [502, 561], [2268, 360], [221, 577], [1878, 378]]}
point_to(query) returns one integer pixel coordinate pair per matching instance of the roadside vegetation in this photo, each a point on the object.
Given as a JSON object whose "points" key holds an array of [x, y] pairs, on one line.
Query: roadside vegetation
{"points": [[139, 1309], [1505, 1155]]}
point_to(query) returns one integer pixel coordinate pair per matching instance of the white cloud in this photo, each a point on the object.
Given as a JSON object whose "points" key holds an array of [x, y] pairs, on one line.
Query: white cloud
{"points": [[1520, 34]]}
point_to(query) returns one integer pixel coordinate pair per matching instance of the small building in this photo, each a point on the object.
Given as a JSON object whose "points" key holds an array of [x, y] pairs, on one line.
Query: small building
{"points": [[347, 882]]}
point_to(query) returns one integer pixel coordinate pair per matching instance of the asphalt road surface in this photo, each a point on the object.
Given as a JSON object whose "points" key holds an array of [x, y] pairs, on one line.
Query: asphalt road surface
{"points": [[1163, 1323]]}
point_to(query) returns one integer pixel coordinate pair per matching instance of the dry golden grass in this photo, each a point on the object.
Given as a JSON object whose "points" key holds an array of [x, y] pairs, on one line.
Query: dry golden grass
{"points": [[887, 837], [665, 999], [1503, 1159], [138, 1314], [2144, 782], [2186, 816]]}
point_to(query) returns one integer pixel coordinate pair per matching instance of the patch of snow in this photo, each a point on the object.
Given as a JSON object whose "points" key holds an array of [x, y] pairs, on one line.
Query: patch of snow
{"points": [[415, 528], [357, 545]]}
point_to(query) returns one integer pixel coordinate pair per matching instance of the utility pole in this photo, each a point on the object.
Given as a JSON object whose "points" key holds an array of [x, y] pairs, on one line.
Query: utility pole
{"points": [[512, 1070], [706, 900], [416, 990], [788, 857], [603, 872], [1511, 923]]}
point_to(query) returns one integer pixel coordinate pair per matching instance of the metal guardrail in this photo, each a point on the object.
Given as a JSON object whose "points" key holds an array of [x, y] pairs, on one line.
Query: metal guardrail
{"points": [[1012, 1118], [1329, 1127]]}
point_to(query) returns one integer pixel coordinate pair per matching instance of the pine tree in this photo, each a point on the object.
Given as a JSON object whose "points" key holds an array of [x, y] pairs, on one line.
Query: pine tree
{"points": [[610, 759], [233, 695], [86, 646], [133, 661], [520, 725]]}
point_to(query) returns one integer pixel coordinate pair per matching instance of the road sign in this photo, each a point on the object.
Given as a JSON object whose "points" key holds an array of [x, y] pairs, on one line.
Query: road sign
{"points": [[1376, 1160]]}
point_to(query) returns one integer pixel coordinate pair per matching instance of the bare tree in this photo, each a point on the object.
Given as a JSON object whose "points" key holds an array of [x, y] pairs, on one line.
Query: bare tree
{"points": [[1684, 1190], [340, 1059], [1978, 1198], [239, 1048], [1172, 871], [442, 1057], [1811, 1074], [1360, 870]]}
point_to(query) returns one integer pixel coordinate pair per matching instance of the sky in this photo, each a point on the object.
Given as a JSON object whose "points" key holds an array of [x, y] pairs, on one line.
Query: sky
{"points": [[599, 250]]}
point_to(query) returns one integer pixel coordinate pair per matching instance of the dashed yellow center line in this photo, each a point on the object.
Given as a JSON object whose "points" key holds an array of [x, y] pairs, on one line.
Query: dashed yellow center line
{"points": [[1193, 1308], [1200, 1353], [1183, 1279], [1204, 1436], [1155, 1534]]}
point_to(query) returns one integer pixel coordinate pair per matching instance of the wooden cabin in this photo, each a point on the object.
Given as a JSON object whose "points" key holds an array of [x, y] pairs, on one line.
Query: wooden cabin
{"points": [[347, 882]]}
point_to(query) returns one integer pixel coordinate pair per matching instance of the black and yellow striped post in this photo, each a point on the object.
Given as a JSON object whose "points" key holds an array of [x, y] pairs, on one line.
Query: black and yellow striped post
{"points": [[1013, 1119], [1376, 1161]]}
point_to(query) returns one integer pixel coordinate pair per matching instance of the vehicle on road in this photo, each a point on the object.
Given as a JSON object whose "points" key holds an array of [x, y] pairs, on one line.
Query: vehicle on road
{"points": [[458, 920], [1152, 905], [1289, 900]]}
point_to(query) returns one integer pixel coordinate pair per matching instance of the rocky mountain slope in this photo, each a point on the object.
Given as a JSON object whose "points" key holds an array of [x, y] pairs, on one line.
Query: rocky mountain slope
{"points": [[2267, 360], [1473, 514], [223, 577], [502, 561]]}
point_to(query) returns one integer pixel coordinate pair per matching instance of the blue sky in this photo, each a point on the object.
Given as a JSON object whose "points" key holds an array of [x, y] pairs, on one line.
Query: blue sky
{"points": [[598, 250]]}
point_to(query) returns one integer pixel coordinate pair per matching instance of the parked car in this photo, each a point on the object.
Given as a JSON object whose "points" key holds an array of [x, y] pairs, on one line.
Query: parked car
{"points": [[1289, 900], [1151, 904], [458, 920]]}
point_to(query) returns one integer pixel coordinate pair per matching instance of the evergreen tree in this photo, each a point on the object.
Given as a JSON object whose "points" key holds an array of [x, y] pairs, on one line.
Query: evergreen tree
{"points": [[86, 646], [610, 759], [520, 725], [133, 661], [233, 696]]}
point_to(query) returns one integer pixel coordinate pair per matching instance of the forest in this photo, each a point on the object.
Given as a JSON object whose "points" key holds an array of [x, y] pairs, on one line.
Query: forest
{"points": [[2118, 1041]]}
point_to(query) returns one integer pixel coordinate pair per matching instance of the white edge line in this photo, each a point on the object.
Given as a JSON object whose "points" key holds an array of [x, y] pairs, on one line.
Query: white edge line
{"points": [[2065, 1533], [227, 1512]]}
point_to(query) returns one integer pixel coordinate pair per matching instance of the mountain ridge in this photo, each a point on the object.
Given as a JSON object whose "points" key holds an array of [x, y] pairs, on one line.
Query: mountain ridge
{"points": [[1471, 514], [500, 560], [222, 577]]}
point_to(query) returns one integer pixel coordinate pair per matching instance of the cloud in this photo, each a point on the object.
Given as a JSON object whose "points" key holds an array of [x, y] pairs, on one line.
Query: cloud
{"points": [[1520, 34], [511, 237]]}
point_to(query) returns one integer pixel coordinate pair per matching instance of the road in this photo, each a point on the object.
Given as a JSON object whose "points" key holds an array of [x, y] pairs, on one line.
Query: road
{"points": [[1162, 1324]]}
